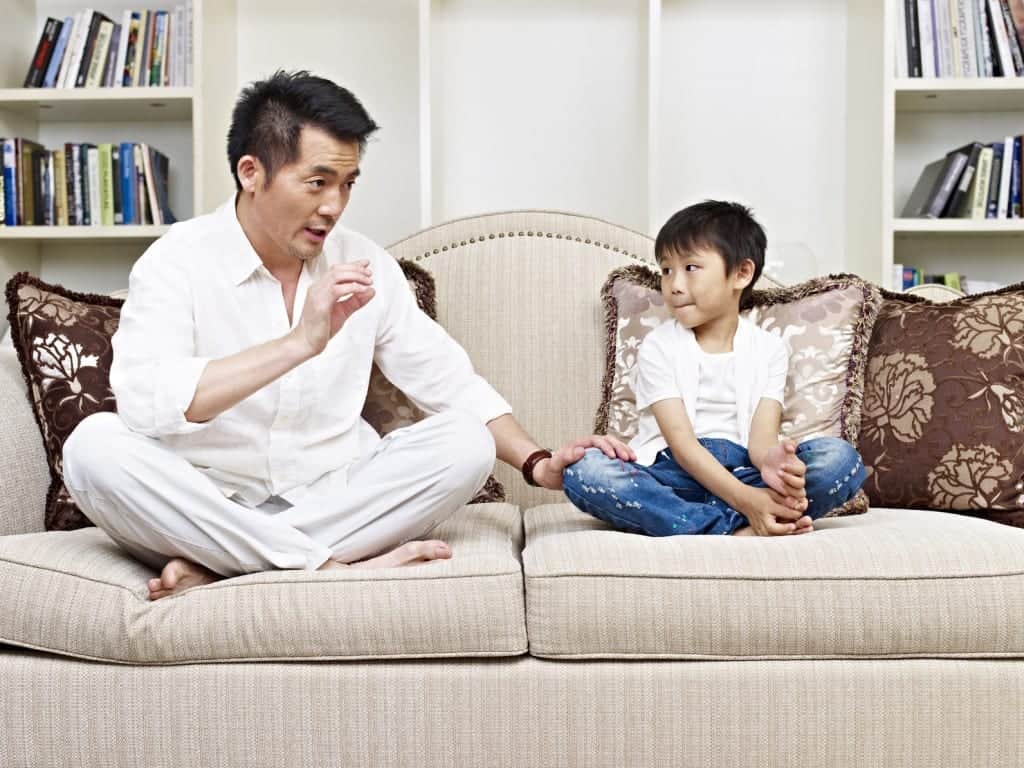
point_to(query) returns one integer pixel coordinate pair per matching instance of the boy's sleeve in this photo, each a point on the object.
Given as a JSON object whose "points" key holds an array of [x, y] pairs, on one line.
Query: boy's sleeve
{"points": [[778, 369], [655, 374]]}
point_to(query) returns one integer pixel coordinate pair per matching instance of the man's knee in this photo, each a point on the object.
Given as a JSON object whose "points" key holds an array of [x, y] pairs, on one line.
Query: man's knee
{"points": [[90, 453], [468, 447]]}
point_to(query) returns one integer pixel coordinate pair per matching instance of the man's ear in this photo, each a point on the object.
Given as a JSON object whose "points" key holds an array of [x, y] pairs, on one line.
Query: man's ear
{"points": [[744, 275], [250, 173]]}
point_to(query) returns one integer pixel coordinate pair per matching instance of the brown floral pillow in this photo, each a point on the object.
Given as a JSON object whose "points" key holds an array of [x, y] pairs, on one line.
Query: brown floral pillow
{"points": [[387, 408], [827, 323], [943, 418], [63, 342]]}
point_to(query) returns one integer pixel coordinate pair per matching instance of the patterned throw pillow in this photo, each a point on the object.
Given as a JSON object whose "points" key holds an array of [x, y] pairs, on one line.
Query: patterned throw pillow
{"points": [[827, 323], [62, 338], [943, 418]]}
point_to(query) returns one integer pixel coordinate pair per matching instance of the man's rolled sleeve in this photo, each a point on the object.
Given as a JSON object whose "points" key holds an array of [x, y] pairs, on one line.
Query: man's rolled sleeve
{"points": [[155, 372]]}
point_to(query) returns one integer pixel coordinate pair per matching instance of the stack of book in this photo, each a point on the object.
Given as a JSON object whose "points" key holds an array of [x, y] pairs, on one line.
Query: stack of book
{"points": [[976, 181], [907, 277], [147, 48], [83, 184], [960, 38]]}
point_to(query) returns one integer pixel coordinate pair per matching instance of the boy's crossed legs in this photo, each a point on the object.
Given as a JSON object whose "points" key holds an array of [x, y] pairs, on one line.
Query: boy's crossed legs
{"points": [[664, 500]]}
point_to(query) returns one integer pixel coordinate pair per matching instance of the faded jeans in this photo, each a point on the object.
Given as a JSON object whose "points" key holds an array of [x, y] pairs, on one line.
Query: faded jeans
{"points": [[664, 500]]}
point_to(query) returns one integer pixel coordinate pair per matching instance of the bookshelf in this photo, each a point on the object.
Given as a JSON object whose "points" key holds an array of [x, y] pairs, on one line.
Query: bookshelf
{"points": [[180, 121], [923, 119]]}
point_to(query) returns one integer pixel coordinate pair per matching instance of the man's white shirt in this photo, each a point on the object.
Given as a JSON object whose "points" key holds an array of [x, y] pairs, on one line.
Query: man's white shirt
{"points": [[201, 293]]}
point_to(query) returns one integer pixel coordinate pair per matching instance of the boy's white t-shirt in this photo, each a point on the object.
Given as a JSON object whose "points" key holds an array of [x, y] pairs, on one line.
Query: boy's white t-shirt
{"points": [[716, 397], [670, 365]]}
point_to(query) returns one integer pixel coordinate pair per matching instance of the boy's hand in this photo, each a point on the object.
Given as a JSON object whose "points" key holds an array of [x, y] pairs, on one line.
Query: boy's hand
{"points": [[784, 473], [768, 515]]}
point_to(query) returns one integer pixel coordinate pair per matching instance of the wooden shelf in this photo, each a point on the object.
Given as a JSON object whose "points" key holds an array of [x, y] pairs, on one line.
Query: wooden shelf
{"points": [[100, 105], [116, 234], [942, 227], [969, 94]]}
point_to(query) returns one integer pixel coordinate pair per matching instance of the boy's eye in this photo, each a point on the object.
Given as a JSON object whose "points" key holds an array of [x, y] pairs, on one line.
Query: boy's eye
{"points": [[691, 267], [666, 270]]}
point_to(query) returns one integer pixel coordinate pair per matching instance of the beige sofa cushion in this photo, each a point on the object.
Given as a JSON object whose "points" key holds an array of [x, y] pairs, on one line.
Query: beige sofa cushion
{"points": [[76, 593], [895, 583]]}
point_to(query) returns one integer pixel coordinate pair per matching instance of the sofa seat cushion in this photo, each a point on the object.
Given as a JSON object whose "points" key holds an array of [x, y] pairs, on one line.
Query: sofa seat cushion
{"points": [[892, 584], [77, 593]]}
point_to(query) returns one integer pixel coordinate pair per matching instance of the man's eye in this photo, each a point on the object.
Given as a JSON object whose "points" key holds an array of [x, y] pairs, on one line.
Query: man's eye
{"points": [[316, 183], [350, 184]]}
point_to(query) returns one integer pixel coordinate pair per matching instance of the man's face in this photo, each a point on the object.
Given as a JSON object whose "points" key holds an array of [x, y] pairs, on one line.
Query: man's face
{"points": [[306, 197], [696, 287]]}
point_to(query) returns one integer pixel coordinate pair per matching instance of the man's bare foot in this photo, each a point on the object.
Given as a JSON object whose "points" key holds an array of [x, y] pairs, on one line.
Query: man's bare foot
{"points": [[178, 575], [410, 553]]}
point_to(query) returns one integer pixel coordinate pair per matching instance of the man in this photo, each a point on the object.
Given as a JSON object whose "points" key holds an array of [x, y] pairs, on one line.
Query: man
{"points": [[241, 365]]}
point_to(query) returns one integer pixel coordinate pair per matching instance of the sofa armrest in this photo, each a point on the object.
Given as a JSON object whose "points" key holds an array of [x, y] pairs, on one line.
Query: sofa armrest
{"points": [[24, 475]]}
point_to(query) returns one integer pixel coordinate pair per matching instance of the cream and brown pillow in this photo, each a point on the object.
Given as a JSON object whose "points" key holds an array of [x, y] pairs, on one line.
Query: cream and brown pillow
{"points": [[827, 323], [942, 424]]}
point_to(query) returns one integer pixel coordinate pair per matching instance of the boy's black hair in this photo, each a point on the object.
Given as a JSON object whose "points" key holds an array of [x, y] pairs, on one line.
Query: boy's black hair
{"points": [[270, 114], [727, 228]]}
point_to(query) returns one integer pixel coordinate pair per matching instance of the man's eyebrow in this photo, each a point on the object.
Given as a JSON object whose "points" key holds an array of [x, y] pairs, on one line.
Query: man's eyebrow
{"points": [[326, 170]]}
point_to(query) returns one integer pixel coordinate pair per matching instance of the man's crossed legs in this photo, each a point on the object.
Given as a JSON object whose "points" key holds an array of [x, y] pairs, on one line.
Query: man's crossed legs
{"points": [[167, 514]]}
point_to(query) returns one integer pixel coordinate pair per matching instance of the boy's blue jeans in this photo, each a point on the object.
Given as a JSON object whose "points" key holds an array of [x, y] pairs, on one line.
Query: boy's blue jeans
{"points": [[664, 500]]}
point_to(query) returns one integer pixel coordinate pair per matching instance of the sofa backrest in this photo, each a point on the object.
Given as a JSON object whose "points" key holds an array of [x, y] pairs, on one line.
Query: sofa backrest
{"points": [[521, 292], [24, 477]]}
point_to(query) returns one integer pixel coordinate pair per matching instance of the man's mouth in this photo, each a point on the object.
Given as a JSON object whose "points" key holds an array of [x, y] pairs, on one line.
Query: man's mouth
{"points": [[317, 233]]}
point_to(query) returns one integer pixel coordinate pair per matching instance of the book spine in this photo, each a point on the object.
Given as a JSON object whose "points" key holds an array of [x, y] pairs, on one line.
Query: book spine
{"points": [[140, 186], [913, 39], [60, 188], [943, 38], [127, 183], [44, 51], [1014, 212], [108, 69], [3, 199], [984, 34], [951, 172], [189, 32], [71, 52], [965, 35], [926, 29], [982, 181], [162, 167], [99, 55], [151, 198], [165, 49], [88, 46], [1003, 204], [129, 56], [1011, 35], [38, 168], [83, 170], [76, 186], [10, 186], [156, 58], [115, 182], [122, 50], [93, 175], [995, 18], [50, 79], [147, 48], [959, 204], [104, 163]]}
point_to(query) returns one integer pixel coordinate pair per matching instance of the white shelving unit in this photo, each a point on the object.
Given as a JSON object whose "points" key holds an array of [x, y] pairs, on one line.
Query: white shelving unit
{"points": [[924, 118], [180, 121]]}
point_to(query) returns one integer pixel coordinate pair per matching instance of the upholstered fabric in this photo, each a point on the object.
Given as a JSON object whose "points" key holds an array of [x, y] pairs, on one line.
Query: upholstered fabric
{"points": [[76, 593], [513, 713], [943, 417], [24, 476], [894, 583]]}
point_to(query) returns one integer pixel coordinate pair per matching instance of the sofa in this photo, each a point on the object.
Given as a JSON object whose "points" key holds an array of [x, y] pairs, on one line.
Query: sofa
{"points": [[892, 638]]}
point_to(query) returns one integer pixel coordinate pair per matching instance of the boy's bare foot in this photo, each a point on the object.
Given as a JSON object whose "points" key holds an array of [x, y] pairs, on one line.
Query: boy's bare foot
{"points": [[804, 525], [410, 553], [178, 575]]}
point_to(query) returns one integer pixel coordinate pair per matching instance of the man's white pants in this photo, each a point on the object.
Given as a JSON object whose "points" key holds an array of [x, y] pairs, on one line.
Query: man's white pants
{"points": [[157, 505]]}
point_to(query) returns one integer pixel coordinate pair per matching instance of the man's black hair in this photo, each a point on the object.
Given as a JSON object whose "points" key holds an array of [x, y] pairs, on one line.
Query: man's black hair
{"points": [[727, 228], [270, 114]]}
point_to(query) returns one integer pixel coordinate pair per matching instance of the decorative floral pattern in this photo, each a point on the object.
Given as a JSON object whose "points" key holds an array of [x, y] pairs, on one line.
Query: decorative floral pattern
{"points": [[826, 322], [944, 405]]}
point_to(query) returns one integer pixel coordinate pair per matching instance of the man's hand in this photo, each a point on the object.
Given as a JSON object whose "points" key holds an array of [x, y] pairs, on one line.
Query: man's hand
{"points": [[548, 473], [768, 515], [784, 473], [323, 314]]}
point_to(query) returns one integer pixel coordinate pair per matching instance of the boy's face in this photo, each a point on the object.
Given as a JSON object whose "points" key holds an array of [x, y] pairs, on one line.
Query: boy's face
{"points": [[697, 288]]}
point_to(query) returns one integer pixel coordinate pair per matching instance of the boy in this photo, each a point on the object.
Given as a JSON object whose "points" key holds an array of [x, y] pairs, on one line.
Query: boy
{"points": [[709, 391]]}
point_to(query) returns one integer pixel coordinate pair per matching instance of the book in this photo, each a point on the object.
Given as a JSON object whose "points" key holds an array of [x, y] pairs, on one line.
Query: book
{"points": [[1011, 35], [115, 182], [912, 38], [105, 173], [140, 48], [115, 44], [26, 154], [1006, 170], [926, 32], [44, 50], [959, 205], [1014, 211], [982, 179], [147, 48], [1002, 56], [128, 74], [935, 186], [60, 188], [965, 35], [83, 180], [189, 60], [88, 46], [10, 185], [156, 63], [50, 78], [70, 51], [98, 58], [950, 10], [128, 183], [159, 167], [122, 49], [93, 183], [80, 205], [139, 192], [3, 199]]}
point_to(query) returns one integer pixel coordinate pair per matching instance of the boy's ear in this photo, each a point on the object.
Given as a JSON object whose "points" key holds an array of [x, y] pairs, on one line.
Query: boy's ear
{"points": [[744, 274]]}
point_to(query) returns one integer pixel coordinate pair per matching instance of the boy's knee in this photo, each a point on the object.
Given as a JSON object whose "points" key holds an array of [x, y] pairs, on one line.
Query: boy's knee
{"points": [[828, 453]]}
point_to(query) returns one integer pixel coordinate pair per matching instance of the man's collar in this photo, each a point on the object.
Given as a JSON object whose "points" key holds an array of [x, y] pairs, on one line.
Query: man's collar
{"points": [[241, 256]]}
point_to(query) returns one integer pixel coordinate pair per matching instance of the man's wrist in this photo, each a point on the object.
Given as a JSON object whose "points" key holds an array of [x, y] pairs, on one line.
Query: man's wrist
{"points": [[295, 347], [531, 464]]}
